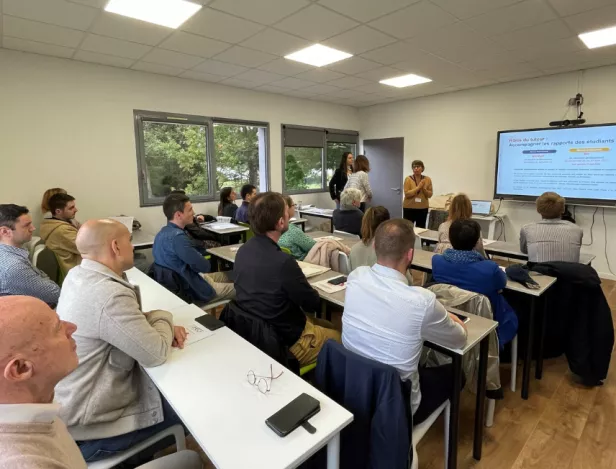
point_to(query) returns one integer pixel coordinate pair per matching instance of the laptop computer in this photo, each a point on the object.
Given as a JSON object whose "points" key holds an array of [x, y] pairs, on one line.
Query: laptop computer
{"points": [[481, 207]]}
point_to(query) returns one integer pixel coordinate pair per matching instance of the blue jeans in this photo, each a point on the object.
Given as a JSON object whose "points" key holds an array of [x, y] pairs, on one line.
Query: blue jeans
{"points": [[94, 450]]}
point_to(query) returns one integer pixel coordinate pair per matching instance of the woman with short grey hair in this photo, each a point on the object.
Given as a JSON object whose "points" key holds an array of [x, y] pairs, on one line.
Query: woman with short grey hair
{"points": [[348, 217]]}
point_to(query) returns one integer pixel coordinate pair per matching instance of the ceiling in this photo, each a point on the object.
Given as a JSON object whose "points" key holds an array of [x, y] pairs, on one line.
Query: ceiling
{"points": [[459, 44]]}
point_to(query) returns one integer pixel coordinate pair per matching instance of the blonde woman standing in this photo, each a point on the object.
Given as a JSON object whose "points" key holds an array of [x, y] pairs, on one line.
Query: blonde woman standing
{"points": [[460, 209], [417, 191]]}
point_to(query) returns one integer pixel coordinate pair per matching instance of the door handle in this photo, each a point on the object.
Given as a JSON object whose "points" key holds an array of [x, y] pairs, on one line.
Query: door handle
{"points": [[397, 189]]}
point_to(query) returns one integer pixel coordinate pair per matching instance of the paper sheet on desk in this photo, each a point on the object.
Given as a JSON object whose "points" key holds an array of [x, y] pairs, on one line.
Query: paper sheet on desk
{"points": [[487, 242], [312, 270], [335, 238], [419, 231], [328, 287], [221, 226], [183, 316]]}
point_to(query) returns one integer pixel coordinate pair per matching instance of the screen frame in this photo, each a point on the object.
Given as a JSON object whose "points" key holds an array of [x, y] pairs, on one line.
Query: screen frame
{"points": [[531, 198]]}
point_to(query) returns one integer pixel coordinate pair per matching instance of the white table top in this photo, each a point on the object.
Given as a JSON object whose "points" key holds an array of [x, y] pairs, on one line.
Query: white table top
{"points": [[298, 221], [141, 239], [206, 385], [236, 229], [317, 212]]}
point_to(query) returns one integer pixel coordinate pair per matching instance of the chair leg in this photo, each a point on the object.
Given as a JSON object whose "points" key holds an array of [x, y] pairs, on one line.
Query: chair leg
{"points": [[447, 416], [514, 362], [490, 413], [415, 464]]}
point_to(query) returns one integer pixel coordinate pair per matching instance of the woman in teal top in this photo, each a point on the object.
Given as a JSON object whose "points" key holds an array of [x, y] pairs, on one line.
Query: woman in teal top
{"points": [[294, 239]]}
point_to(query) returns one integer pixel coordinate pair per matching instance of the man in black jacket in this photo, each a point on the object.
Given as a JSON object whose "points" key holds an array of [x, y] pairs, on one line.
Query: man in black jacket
{"points": [[271, 285], [201, 239]]}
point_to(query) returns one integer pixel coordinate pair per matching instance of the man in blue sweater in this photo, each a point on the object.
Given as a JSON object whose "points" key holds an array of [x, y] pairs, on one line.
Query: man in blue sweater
{"points": [[174, 250], [467, 269]]}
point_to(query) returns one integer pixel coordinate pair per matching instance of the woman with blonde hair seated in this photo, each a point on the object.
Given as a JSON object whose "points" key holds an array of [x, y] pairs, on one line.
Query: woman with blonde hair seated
{"points": [[460, 209], [363, 253]]}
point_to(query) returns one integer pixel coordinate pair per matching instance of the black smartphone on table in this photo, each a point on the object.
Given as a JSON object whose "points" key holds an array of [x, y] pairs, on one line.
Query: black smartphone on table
{"points": [[337, 280], [294, 414], [210, 322], [461, 317]]}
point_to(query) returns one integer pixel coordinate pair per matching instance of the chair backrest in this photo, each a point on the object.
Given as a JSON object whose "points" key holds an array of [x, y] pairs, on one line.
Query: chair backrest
{"points": [[249, 233], [30, 245], [348, 235], [378, 438], [44, 259], [343, 263]]}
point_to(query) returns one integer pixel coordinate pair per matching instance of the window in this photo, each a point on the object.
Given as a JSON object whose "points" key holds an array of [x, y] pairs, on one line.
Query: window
{"points": [[311, 155], [198, 155]]}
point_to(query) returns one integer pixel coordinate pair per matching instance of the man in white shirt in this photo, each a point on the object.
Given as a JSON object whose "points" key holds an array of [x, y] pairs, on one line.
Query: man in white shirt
{"points": [[387, 320]]}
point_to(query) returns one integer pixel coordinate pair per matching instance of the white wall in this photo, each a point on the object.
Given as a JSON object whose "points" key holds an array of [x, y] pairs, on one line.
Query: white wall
{"points": [[70, 124], [455, 135]]}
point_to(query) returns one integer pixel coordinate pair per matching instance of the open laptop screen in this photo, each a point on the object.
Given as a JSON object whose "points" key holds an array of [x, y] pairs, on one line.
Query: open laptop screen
{"points": [[481, 207]]}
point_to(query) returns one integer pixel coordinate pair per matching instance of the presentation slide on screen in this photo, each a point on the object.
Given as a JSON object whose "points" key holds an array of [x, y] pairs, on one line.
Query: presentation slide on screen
{"points": [[577, 163]]}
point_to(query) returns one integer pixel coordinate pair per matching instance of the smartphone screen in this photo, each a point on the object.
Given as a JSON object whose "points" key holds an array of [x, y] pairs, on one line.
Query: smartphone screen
{"points": [[338, 280], [460, 317], [210, 322], [293, 414]]}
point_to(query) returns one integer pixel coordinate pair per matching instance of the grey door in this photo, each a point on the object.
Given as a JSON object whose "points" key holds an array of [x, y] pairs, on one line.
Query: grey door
{"points": [[386, 156]]}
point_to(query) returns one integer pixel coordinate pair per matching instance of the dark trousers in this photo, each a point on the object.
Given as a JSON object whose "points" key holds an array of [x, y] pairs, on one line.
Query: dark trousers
{"points": [[417, 216], [94, 450], [435, 386]]}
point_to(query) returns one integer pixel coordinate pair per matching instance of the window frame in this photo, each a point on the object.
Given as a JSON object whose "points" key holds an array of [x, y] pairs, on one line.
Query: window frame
{"points": [[324, 181], [141, 116]]}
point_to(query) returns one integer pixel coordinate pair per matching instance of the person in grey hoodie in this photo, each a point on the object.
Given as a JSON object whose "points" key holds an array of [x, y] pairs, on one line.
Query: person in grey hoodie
{"points": [[109, 403]]}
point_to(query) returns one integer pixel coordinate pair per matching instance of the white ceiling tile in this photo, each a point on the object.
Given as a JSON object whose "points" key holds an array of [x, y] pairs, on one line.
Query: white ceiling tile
{"points": [[58, 12], [103, 59], [348, 82], [171, 59], [393, 53], [319, 75], [192, 75], [342, 94], [91, 3], [371, 88], [36, 47], [246, 57], [416, 19], [365, 10], [517, 16], [111, 46], [321, 89], [285, 67], [292, 83], [593, 19], [520, 76], [258, 76], [358, 40], [572, 7], [193, 44], [215, 67], [538, 34], [488, 62], [239, 83], [464, 9], [380, 73], [275, 42], [455, 43], [353, 65], [261, 11], [218, 25], [561, 46], [129, 29], [298, 94], [316, 23], [272, 89], [40, 32], [157, 68], [505, 69], [438, 70]]}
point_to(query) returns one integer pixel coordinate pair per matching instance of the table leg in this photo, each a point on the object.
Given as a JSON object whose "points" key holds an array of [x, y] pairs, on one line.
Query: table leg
{"points": [[528, 354], [491, 229], [456, 389], [323, 309], [544, 322], [331, 225], [333, 452], [303, 227], [481, 395]]}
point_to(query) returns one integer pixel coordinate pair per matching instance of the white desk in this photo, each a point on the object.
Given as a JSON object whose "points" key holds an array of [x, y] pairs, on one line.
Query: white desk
{"points": [[207, 387], [326, 213], [299, 221], [226, 233], [142, 239], [492, 221]]}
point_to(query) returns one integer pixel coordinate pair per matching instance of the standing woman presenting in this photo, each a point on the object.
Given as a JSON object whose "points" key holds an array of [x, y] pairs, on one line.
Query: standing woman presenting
{"points": [[359, 180], [340, 177], [417, 191]]}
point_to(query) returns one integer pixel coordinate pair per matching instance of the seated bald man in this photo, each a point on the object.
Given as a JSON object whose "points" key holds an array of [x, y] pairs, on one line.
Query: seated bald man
{"points": [[109, 403], [36, 351]]}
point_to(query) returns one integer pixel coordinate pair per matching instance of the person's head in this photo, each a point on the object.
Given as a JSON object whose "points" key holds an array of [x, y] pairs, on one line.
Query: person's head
{"points": [[346, 162], [460, 208], [36, 350], [394, 244], [178, 210], [269, 214], [418, 167], [361, 164], [290, 205], [227, 196], [464, 234], [16, 226], [248, 192], [107, 242], [62, 206], [550, 205], [373, 217], [178, 191], [350, 198], [47, 195]]}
